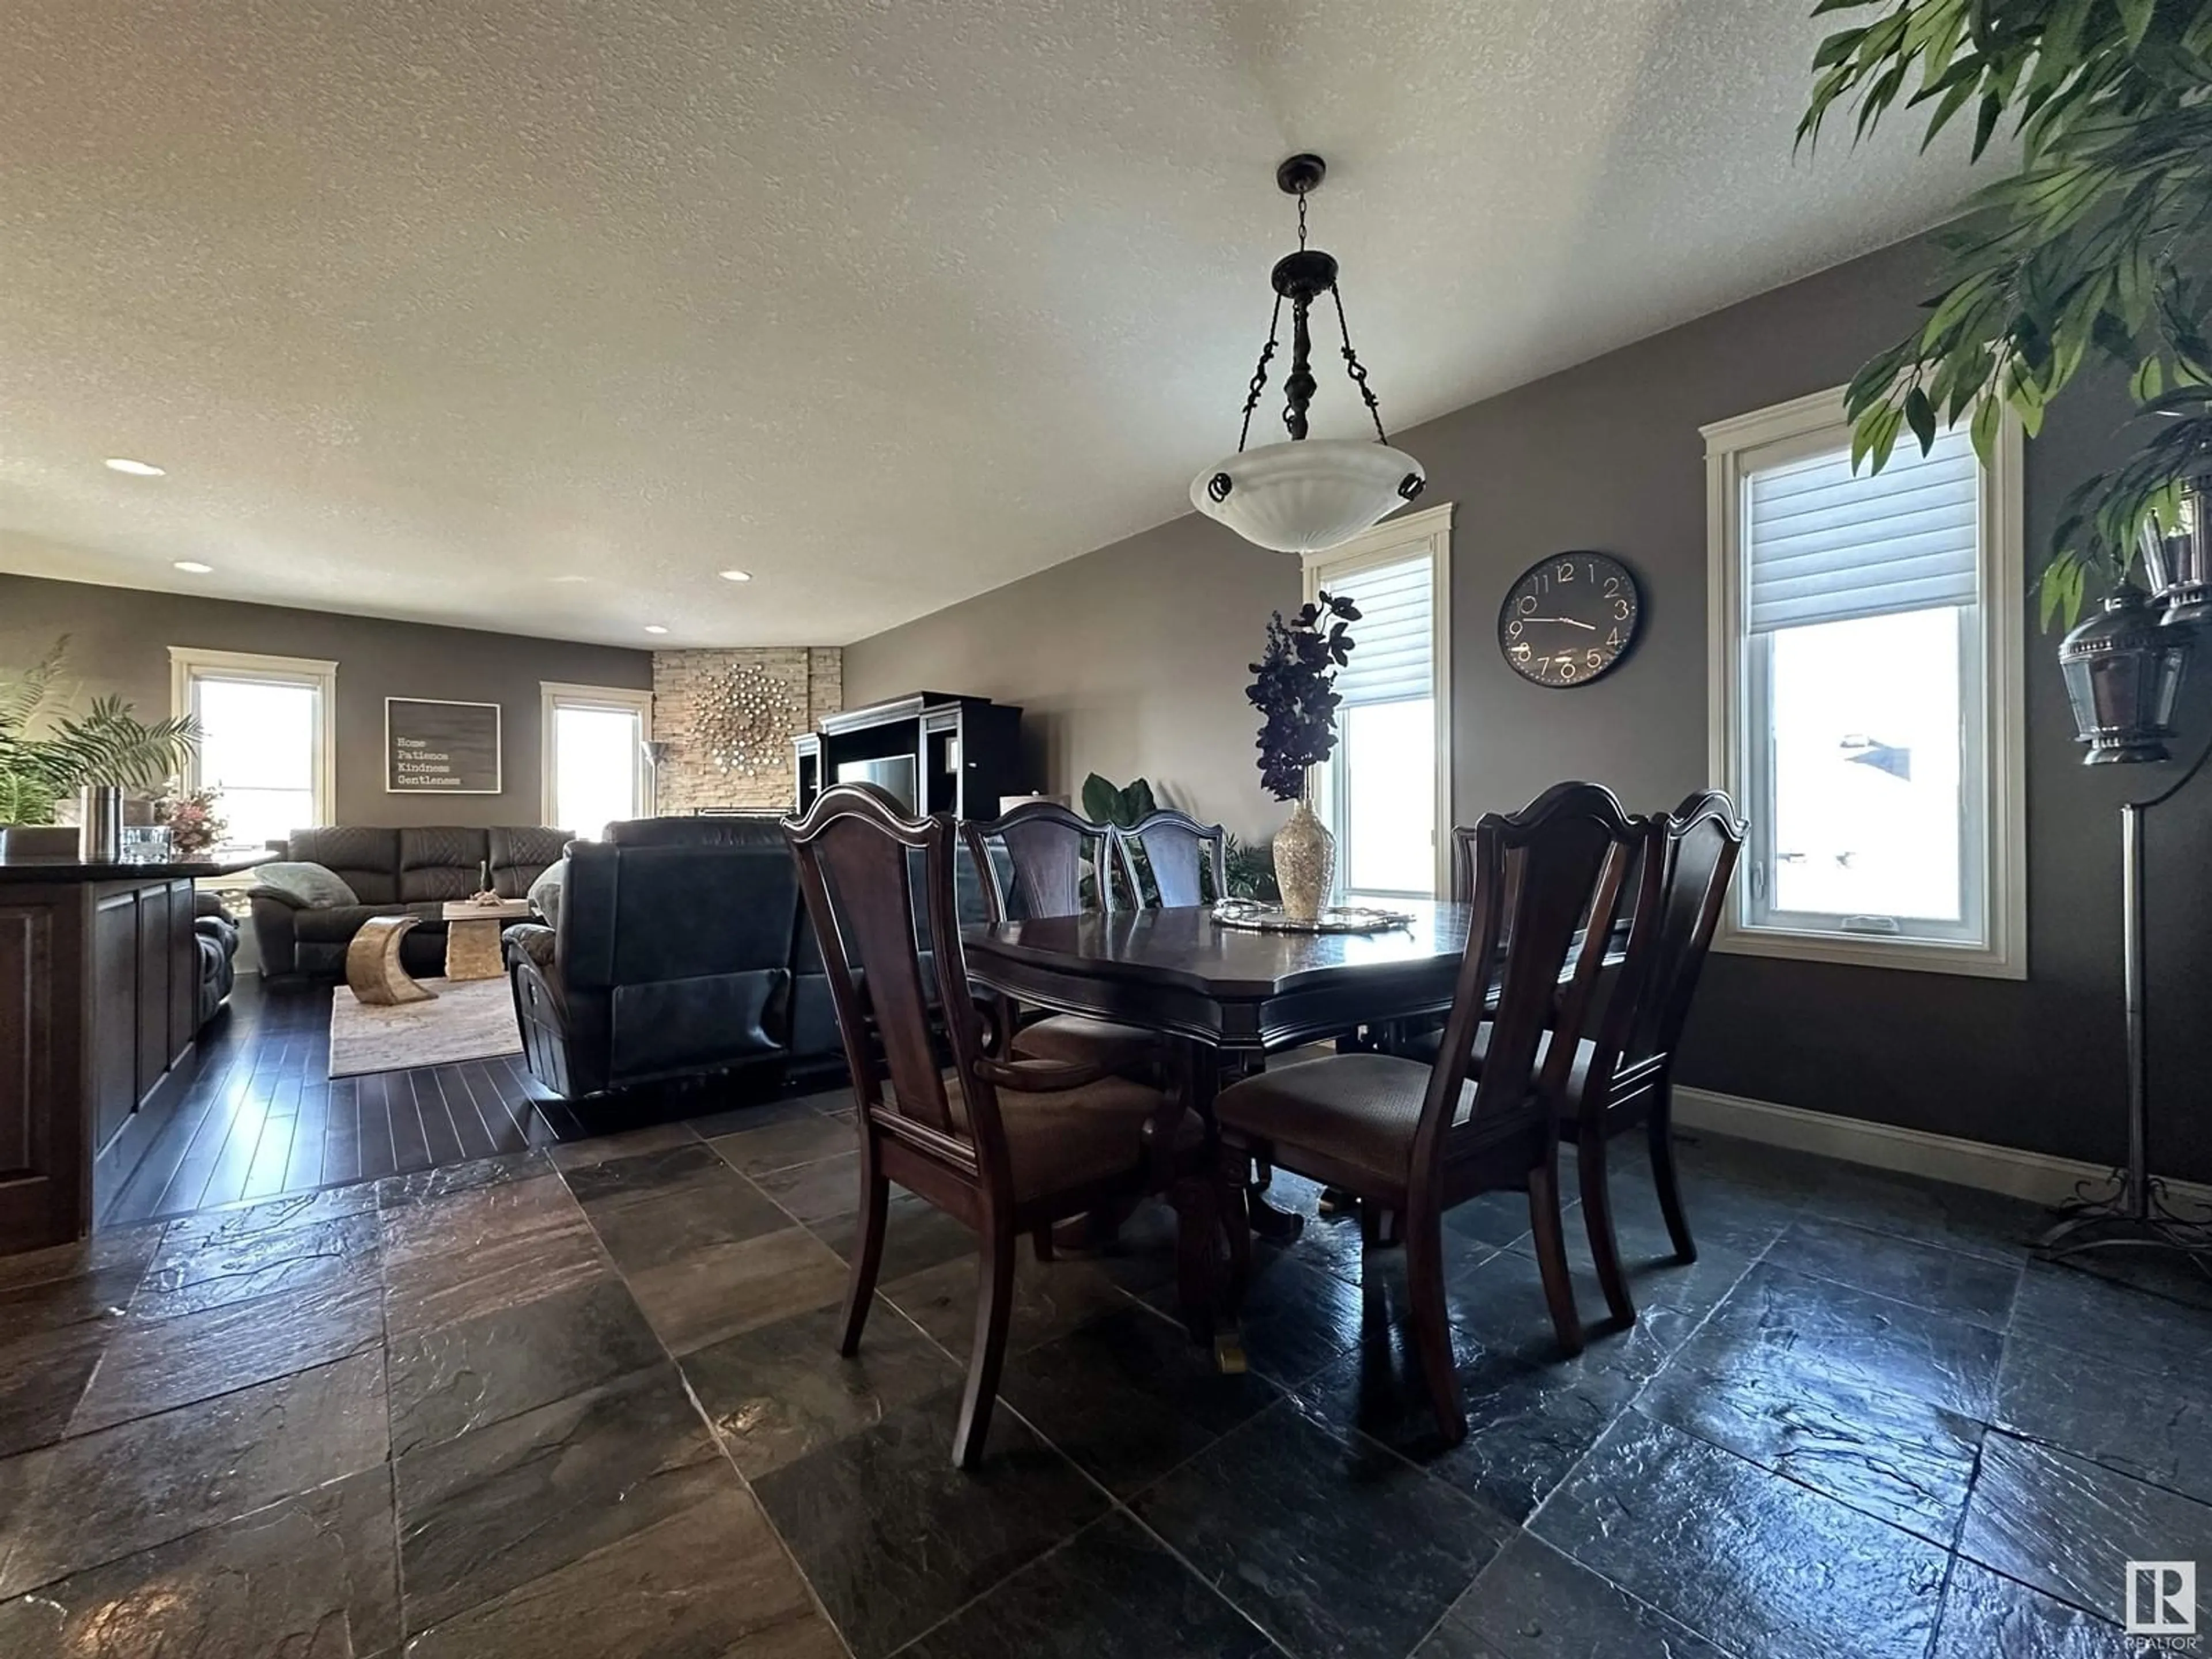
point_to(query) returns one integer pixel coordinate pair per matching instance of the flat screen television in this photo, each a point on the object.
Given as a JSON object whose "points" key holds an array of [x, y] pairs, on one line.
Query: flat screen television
{"points": [[893, 773]]}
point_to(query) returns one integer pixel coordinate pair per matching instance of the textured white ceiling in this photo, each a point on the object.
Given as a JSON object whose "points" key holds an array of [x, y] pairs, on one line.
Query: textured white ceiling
{"points": [[533, 314]]}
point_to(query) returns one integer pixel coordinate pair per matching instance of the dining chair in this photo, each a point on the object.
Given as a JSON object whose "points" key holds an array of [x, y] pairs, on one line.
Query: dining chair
{"points": [[1179, 850], [1005, 1146], [1043, 851], [1624, 1072], [1414, 1140]]}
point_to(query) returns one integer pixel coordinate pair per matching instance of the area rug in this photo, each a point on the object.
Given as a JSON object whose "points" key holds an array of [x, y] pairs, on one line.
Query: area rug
{"points": [[469, 1019]]}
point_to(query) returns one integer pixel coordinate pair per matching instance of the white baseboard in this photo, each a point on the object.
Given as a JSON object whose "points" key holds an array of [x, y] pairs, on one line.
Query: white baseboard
{"points": [[2034, 1175]]}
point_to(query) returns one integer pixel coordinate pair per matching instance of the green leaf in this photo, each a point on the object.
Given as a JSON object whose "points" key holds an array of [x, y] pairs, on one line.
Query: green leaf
{"points": [[1920, 415], [1837, 47], [2147, 381], [2134, 18], [1985, 124], [2047, 596], [1100, 798]]}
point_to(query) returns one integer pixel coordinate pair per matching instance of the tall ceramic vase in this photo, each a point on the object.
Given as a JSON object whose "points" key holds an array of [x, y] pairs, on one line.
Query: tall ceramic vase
{"points": [[1305, 860]]}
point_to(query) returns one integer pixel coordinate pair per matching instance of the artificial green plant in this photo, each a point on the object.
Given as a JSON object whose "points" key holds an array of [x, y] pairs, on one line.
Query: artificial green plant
{"points": [[2094, 248], [46, 756]]}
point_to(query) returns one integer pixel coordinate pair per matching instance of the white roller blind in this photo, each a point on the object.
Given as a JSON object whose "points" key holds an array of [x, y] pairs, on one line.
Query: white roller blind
{"points": [[1829, 546], [1394, 641]]}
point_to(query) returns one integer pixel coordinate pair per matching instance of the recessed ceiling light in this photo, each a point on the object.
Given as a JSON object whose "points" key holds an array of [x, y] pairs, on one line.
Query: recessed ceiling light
{"points": [[194, 568], [135, 469], [736, 575], [654, 628]]}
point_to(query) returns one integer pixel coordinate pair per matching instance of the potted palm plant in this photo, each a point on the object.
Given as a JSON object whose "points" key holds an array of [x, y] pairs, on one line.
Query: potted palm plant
{"points": [[46, 754]]}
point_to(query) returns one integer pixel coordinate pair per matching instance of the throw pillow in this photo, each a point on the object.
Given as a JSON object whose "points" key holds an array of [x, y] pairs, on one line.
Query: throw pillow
{"points": [[545, 892], [302, 886]]}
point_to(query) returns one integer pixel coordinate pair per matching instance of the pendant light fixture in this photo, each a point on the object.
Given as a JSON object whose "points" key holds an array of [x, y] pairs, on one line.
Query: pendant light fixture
{"points": [[1306, 494]]}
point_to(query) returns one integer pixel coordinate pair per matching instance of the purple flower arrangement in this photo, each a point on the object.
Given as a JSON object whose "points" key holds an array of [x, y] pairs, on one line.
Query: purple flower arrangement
{"points": [[1294, 691]]}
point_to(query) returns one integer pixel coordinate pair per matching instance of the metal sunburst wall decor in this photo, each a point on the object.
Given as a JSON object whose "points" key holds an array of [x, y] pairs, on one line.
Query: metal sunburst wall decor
{"points": [[744, 719]]}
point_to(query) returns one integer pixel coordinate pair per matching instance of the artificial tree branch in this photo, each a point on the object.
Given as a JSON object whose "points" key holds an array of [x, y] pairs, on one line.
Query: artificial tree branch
{"points": [[2099, 244]]}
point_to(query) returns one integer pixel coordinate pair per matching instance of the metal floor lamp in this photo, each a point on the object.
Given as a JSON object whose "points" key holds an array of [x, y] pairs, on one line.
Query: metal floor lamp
{"points": [[2124, 669]]}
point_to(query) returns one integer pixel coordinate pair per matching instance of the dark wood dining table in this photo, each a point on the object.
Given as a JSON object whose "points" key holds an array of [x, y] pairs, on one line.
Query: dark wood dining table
{"points": [[1231, 989], [1218, 991]]}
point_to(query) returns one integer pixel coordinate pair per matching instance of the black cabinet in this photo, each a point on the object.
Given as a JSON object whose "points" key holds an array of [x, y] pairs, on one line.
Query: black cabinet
{"points": [[934, 752]]}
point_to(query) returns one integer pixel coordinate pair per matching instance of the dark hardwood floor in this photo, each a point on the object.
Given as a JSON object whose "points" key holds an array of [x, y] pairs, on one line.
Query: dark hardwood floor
{"points": [[262, 1116]]}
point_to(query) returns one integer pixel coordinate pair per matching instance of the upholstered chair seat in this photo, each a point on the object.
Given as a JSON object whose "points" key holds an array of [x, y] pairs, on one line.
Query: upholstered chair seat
{"points": [[1072, 1137], [1359, 1109], [1075, 1041]]}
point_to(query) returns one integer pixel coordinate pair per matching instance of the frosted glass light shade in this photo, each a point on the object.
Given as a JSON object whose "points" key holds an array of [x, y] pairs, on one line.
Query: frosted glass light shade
{"points": [[1300, 497]]}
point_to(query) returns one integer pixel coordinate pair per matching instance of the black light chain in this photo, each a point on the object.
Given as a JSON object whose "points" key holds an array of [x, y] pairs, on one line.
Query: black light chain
{"points": [[1354, 366], [1259, 375]]}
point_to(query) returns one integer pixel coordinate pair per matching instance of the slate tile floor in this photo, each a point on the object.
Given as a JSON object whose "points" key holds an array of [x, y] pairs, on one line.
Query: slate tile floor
{"points": [[581, 1399]]}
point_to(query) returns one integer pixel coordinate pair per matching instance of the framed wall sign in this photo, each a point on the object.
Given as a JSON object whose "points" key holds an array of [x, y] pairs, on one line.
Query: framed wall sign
{"points": [[436, 748]]}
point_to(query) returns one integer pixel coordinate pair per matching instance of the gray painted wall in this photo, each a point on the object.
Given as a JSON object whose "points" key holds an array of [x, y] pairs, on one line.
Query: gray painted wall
{"points": [[1132, 659], [120, 641]]}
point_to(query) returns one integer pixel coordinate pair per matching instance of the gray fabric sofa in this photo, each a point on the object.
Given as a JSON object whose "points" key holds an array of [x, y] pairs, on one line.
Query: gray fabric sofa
{"points": [[393, 872]]}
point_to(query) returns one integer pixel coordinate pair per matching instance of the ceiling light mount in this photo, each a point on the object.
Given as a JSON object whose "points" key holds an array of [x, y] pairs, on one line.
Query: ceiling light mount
{"points": [[1300, 175], [1306, 494]]}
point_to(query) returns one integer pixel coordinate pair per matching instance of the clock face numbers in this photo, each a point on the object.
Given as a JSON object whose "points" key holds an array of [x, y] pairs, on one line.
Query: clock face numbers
{"points": [[1569, 619]]}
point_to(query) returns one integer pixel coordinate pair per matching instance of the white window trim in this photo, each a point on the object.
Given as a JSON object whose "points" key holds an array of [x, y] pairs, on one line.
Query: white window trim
{"points": [[186, 660], [2004, 955], [552, 694], [1428, 530]]}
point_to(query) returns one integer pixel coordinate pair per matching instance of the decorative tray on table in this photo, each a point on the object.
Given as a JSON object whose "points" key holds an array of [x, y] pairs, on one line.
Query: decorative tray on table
{"points": [[1334, 917]]}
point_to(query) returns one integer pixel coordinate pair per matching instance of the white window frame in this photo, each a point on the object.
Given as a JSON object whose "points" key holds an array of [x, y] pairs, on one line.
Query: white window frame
{"points": [[1732, 452], [188, 662], [1394, 539], [555, 694]]}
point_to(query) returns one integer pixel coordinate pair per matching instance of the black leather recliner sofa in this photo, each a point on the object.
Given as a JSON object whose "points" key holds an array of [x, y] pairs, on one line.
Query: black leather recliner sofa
{"points": [[394, 873], [682, 948]]}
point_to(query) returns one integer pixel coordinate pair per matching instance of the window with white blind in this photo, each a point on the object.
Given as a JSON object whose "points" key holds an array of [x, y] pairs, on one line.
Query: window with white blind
{"points": [[266, 741], [1386, 792], [1866, 697]]}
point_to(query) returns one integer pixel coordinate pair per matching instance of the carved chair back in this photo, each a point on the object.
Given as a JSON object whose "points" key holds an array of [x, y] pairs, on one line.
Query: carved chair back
{"points": [[876, 883], [1178, 849], [1035, 858], [1701, 841], [1547, 883]]}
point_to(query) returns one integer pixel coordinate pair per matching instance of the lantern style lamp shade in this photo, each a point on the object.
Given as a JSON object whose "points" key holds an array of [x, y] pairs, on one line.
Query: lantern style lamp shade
{"points": [[2179, 566], [1301, 497], [2124, 669]]}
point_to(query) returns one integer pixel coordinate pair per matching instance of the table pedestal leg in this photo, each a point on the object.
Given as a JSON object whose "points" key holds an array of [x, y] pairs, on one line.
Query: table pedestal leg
{"points": [[1199, 1072]]}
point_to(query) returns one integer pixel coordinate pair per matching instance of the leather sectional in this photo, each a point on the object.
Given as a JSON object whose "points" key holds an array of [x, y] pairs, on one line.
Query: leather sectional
{"points": [[392, 872], [682, 947]]}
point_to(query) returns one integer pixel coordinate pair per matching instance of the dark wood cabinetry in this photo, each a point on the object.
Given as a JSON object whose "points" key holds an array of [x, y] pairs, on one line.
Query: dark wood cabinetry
{"points": [[98, 998], [936, 752]]}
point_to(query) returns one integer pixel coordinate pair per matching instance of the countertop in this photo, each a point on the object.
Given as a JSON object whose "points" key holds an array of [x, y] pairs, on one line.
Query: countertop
{"points": [[50, 870]]}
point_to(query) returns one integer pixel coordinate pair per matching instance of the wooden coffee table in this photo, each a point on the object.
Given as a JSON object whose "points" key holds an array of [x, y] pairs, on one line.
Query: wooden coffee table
{"points": [[473, 933], [371, 964]]}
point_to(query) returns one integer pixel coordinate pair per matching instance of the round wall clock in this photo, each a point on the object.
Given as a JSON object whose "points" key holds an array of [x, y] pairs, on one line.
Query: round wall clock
{"points": [[1569, 619]]}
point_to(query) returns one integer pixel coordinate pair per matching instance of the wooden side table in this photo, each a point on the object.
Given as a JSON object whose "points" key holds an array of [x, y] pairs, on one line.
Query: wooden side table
{"points": [[473, 933], [373, 969]]}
